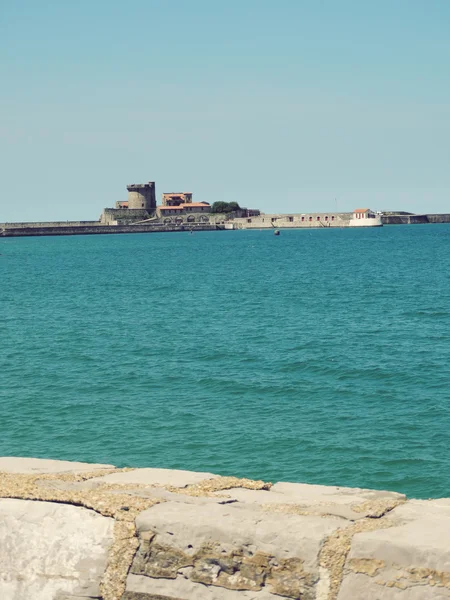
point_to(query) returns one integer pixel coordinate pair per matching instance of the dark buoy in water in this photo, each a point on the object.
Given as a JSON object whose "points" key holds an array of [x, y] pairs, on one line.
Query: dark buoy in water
{"points": [[276, 232]]}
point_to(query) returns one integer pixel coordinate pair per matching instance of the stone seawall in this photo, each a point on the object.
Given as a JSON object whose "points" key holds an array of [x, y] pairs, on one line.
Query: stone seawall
{"points": [[438, 218], [294, 221], [41, 224], [214, 222], [101, 229], [328, 220], [74, 531], [414, 219]]}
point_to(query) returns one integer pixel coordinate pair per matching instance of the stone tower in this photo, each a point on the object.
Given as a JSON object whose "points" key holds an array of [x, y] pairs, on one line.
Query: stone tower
{"points": [[142, 196]]}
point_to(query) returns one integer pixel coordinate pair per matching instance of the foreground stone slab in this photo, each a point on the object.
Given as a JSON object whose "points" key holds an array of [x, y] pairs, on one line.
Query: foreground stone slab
{"points": [[51, 551], [143, 588], [13, 464], [357, 587], [231, 547], [348, 503], [409, 560], [155, 477], [180, 535]]}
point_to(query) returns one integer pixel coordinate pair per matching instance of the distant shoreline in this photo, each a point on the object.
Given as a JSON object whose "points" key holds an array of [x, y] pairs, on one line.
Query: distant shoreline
{"points": [[279, 221]]}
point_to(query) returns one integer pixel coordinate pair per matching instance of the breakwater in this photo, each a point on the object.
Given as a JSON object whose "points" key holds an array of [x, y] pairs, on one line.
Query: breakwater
{"points": [[50, 224], [210, 223], [411, 219], [160, 534], [294, 221], [330, 220], [35, 229]]}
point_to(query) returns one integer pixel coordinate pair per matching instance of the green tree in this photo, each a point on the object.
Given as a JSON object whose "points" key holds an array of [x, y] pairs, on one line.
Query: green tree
{"points": [[224, 207]]}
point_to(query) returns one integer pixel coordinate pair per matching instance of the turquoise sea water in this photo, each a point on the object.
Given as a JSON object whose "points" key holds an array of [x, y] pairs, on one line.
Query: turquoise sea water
{"points": [[319, 356]]}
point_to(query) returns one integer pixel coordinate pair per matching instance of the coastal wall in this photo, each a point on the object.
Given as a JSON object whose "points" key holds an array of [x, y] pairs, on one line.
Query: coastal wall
{"points": [[408, 219], [73, 531], [39, 225], [102, 229], [404, 219], [123, 216], [122, 221], [297, 221], [438, 218]]}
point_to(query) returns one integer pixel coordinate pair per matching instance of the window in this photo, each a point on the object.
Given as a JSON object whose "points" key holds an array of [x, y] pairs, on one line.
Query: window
{"points": [[249, 220], [310, 218], [326, 217], [290, 219], [332, 217], [303, 218], [318, 218]]}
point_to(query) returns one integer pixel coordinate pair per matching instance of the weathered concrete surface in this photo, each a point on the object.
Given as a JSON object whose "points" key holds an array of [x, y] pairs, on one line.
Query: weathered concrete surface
{"points": [[236, 525], [51, 551], [298, 498], [13, 464], [143, 588], [156, 477], [410, 559], [359, 587], [231, 546]]}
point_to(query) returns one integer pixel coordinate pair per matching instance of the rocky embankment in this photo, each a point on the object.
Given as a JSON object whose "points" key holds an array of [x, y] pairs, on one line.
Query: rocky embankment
{"points": [[74, 531]]}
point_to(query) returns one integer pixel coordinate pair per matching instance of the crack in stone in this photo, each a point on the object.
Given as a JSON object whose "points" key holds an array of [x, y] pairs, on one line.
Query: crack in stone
{"points": [[298, 509], [379, 507], [207, 487], [406, 577]]}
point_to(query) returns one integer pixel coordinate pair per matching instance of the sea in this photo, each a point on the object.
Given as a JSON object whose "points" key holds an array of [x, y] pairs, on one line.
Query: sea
{"points": [[319, 356]]}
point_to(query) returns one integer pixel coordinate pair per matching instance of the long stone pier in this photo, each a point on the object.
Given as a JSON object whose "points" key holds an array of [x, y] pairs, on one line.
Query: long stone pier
{"points": [[37, 229]]}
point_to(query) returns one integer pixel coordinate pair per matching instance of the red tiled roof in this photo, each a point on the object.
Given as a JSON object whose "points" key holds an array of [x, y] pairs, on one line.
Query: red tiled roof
{"points": [[183, 206], [361, 210]]}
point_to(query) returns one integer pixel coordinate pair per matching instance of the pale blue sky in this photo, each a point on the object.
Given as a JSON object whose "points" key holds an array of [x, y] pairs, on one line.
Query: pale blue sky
{"points": [[282, 106]]}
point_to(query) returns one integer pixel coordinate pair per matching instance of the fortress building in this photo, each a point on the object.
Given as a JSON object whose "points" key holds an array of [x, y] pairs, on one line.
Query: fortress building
{"points": [[140, 206], [142, 196], [180, 203]]}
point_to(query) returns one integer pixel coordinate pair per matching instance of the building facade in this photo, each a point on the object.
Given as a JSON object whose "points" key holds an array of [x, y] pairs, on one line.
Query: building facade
{"points": [[183, 209], [176, 198]]}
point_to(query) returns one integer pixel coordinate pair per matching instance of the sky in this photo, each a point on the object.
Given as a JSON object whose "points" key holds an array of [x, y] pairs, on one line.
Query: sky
{"points": [[285, 106]]}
